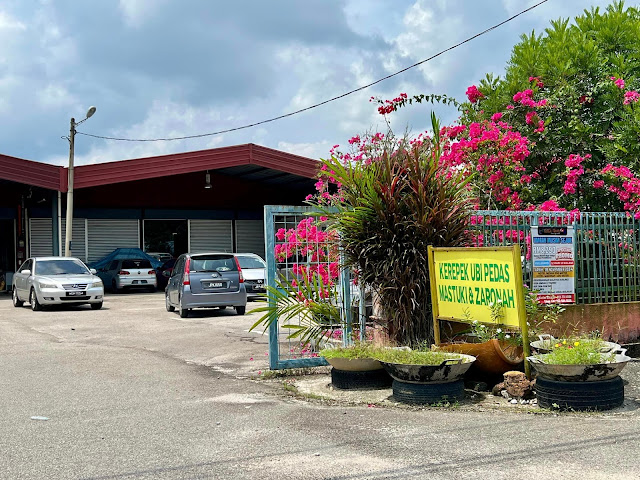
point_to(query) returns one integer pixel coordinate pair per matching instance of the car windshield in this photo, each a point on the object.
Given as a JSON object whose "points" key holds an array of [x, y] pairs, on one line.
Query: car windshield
{"points": [[136, 264], [250, 262], [211, 263], [60, 267]]}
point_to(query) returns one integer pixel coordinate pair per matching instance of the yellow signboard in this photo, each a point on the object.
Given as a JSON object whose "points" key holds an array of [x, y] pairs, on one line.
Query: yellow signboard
{"points": [[468, 283]]}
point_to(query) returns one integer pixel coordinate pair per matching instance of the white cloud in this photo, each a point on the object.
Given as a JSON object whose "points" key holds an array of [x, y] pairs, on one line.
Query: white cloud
{"points": [[315, 150], [136, 12]]}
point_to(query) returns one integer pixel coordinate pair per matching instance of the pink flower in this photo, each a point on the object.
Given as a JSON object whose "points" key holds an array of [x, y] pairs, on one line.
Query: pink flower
{"points": [[496, 116], [473, 94], [619, 82], [598, 184], [509, 107], [631, 96], [529, 117]]}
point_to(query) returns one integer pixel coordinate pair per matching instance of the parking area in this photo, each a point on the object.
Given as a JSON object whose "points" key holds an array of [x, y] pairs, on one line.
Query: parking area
{"points": [[211, 337]]}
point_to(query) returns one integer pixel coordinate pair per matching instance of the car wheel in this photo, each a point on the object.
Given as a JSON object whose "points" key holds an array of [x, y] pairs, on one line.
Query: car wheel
{"points": [[33, 300], [167, 304], [184, 312], [241, 310], [96, 306], [16, 301]]}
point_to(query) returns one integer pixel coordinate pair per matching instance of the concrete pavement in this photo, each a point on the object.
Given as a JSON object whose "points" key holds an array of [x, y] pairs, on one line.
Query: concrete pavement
{"points": [[132, 391]]}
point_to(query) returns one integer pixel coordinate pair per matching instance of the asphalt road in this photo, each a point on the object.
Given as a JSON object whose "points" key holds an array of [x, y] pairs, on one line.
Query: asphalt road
{"points": [[135, 392]]}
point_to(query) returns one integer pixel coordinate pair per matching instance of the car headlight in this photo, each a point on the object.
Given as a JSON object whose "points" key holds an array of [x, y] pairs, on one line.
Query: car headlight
{"points": [[47, 285], [97, 283]]}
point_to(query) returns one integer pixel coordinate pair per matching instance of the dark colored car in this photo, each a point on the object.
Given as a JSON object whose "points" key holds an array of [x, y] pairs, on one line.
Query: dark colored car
{"points": [[163, 272], [206, 280]]}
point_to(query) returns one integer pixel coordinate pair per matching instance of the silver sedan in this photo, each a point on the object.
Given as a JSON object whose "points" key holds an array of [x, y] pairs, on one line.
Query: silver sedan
{"points": [[56, 281]]}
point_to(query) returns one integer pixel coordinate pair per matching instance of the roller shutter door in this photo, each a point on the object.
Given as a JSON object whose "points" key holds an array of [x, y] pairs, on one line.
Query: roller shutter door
{"points": [[40, 237], [210, 236], [78, 238], [250, 236], [105, 235]]}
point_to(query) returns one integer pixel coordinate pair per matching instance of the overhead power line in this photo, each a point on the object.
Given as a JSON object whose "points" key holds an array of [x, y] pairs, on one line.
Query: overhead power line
{"points": [[333, 99]]}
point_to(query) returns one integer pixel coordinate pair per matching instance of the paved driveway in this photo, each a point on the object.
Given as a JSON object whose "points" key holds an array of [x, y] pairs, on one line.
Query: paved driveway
{"points": [[132, 391]]}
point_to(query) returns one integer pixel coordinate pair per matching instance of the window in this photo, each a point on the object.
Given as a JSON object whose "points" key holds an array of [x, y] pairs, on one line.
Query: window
{"points": [[250, 262], [26, 265], [137, 263], [61, 267], [213, 263]]}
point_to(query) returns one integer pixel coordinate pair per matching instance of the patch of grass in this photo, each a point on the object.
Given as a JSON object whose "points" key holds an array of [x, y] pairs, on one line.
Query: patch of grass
{"points": [[578, 352], [357, 350], [412, 357]]}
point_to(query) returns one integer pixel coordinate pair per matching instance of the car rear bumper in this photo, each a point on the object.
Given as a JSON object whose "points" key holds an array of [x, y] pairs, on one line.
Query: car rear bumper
{"points": [[204, 300], [142, 282]]}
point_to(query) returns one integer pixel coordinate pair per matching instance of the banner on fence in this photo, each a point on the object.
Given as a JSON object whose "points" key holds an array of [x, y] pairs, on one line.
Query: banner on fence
{"points": [[553, 259], [483, 284]]}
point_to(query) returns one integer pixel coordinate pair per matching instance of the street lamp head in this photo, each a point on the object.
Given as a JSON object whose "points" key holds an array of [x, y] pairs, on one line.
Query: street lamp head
{"points": [[91, 111]]}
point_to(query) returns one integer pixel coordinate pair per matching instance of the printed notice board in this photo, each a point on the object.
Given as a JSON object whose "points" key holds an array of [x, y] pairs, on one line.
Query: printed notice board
{"points": [[553, 260]]}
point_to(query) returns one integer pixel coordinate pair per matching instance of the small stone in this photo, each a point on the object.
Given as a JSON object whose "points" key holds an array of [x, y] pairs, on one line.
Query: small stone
{"points": [[217, 423], [317, 454], [534, 401], [513, 400], [517, 385], [497, 389], [505, 394]]}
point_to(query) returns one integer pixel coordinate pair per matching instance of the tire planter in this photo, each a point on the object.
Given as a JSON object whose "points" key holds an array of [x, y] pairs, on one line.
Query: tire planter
{"points": [[360, 379], [493, 357], [578, 373], [428, 393], [448, 371], [598, 395]]}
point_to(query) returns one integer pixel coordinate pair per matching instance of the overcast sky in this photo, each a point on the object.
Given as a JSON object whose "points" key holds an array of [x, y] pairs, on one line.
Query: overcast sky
{"points": [[165, 68]]}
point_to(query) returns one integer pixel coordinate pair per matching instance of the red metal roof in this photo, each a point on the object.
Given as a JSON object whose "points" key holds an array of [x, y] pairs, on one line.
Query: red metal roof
{"points": [[32, 173], [187, 162], [55, 177]]}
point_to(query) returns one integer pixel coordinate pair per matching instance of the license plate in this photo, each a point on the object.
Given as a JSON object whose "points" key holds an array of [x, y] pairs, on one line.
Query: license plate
{"points": [[214, 285], [74, 294]]}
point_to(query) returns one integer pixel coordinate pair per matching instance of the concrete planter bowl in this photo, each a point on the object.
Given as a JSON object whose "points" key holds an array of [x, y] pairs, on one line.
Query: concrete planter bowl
{"points": [[354, 364], [449, 370], [579, 373]]}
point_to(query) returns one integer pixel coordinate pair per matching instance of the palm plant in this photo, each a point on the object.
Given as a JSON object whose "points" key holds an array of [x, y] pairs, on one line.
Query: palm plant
{"points": [[387, 212]]}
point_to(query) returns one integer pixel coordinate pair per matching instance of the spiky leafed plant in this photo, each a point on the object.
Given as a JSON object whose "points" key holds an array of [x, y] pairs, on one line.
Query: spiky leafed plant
{"points": [[388, 210]]}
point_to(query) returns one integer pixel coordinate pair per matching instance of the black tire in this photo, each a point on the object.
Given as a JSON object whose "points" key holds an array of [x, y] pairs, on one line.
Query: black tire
{"points": [[241, 310], [16, 301], [96, 306], [346, 380], [167, 304], [33, 300], [114, 288], [428, 393], [599, 395], [184, 312]]}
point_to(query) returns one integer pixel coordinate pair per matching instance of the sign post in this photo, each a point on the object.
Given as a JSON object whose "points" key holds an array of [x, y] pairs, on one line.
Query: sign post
{"points": [[466, 282], [553, 258]]}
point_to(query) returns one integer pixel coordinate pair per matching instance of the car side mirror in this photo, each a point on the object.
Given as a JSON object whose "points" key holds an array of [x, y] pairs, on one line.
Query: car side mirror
{"points": [[26, 272], [93, 271]]}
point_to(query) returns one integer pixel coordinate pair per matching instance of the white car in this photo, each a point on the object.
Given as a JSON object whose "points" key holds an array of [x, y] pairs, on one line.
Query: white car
{"points": [[56, 281], [254, 271], [129, 273]]}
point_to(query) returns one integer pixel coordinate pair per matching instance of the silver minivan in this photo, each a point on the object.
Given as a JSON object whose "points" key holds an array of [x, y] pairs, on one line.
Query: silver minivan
{"points": [[206, 280]]}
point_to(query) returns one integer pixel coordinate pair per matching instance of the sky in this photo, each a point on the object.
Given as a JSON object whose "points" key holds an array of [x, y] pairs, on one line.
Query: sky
{"points": [[168, 68]]}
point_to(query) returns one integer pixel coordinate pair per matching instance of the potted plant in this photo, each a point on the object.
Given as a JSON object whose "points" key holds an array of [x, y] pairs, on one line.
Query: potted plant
{"points": [[354, 366], [425, 377], [576, 374], [389, 200]]}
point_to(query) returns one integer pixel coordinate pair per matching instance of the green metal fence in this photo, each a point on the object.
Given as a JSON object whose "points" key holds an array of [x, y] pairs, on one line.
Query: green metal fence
{"points": [[607, 248]]}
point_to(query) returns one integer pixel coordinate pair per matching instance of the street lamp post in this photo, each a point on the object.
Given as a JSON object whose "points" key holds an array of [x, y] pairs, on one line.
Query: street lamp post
{"points": [[69, 219]]}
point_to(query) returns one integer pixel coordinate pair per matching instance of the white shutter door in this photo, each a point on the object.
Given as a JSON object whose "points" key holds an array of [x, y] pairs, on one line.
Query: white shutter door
{"points": [[250, 236], [210, 236], [40, 237], [105, 235], [78, 238]]}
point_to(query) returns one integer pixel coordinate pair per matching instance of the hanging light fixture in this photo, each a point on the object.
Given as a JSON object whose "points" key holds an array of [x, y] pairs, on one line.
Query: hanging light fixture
{"points": [[207, 180]]}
